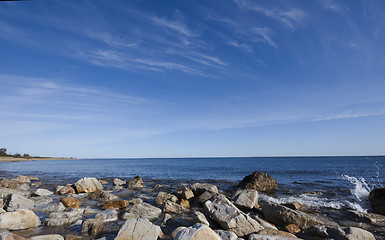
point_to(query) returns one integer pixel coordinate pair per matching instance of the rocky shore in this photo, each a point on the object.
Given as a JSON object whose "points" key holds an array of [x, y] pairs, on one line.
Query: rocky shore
{"points": [[92, 208]]}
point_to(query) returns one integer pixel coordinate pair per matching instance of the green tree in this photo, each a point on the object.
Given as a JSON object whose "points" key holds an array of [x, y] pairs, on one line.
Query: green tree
{"points": [[3, 152], [16, 155]]}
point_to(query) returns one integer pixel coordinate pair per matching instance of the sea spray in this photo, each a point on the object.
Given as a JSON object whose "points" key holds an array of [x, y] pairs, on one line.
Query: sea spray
{"points": [[360, 193]]}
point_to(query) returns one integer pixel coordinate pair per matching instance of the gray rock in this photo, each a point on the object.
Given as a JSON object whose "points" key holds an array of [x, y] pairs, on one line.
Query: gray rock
{"points": [[54, 207], [259, 181], [6, 191], [336, 232], [162, 197], [19, 220], [353, 233], [246, 199], [92, 227], [196, 232], [43, 192], [143, 210], [264, 223], [201, 218], [269, 237], [199, 188], [43, 200], [283, 216], [14, 202], [206, 195], [63, 218], [88, 185], [230, 217], [226, 235], [119, 182], [48, 237], [108, 215], [139, 228]]}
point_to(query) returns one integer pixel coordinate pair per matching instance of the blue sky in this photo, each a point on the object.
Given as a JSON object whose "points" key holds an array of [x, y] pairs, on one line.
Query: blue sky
{"points": [[192, 78]]}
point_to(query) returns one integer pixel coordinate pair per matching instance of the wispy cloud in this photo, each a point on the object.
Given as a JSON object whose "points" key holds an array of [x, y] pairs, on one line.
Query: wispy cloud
{"points": [[265, 34], [240, 45], [331, 5], [175, 26], [291, 17]]}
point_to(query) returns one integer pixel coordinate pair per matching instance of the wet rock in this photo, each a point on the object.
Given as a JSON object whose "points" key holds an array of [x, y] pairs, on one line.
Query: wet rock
{"points": [[7, 235], [199, 188], [196, 232], [6, 191], [118, 182], [19, 220], [65, 190], [184, 193], [282, 216], [143, 210], [377, 200], [63, 218], [246, 199], [139, 228], [14, 202], [230, 217], [92, 227], [226, 235], [71, 202], [103, 196], [88, 185], [292, 228], [201, 218], [43, 192], [171, 207], [162, 197], [259, 181], [48, 237], [115, 204], [108, 215], [135, 183]]}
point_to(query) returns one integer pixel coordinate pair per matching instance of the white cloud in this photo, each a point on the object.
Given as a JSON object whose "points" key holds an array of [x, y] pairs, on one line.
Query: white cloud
{"points": [[331, 5], [175, 26], [265, 35], [240, 45]]}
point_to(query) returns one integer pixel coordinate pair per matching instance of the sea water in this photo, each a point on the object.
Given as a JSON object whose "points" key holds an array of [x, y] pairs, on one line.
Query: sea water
{"points": [[318, 182]]}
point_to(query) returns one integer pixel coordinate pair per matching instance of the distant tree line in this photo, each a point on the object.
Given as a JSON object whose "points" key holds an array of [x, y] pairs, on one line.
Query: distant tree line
{"points": [[3, 153]]}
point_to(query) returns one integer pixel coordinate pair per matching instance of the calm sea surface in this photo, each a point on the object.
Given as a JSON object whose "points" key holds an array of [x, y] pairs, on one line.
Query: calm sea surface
{"points": [[325, 181]]}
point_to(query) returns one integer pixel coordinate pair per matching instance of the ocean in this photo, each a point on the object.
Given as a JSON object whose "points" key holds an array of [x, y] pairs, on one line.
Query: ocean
{"points": [[317, 182]]}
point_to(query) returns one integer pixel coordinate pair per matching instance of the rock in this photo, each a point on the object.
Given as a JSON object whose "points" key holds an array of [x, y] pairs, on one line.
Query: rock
{"points": [[246, 199], [118, 182], [171, 207], [230, 217], [43, 192], [294, 206], [25, 179], [63, 218], [135, 183], [65, 190], [206, 195], [1, 203], [7, 235], [73, 237], [353, 233], [48, 237], [336, 232], [184, 193], [226, 235], [259, 181], [41, 200], [88, 185], [199, 188], [14, 202], [272, 232], [103, 196], [377, 200], [264, 223], [269, 237], [56, 207], [283, 216], [201, 218], [6, 191], [115, 204], [162, 197], [10, 183], [2, 211], [143, 210], [71, 202], [184, 203], [292, 228], [139, 228], [19, 220], [92, 227], [108, 215], [103, 182], [196, 232]]}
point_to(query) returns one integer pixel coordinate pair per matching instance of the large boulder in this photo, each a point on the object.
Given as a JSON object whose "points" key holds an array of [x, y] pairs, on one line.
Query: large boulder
{"points": [[246, 199], [196, 232], [259, 181], [6, 191], [19, 220], [377, 200], [199, 188], [135, 183], [139, 228], [88, 185], [56, 219], [283, 216], [230, 217], [337, 232], [143, 210], [14, 202]]}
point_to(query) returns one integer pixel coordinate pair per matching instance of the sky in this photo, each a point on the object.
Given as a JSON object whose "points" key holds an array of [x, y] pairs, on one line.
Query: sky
{"points": [[148, 78]]}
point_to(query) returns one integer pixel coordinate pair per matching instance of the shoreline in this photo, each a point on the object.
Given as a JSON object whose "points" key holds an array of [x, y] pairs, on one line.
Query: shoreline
{"points": [[12, 159]]}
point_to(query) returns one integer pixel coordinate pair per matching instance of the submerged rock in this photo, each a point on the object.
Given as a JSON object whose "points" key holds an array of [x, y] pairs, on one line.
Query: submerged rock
{"points": [[259, 181], [88, 185], [139, 228], [19, 220], [196, 232]]}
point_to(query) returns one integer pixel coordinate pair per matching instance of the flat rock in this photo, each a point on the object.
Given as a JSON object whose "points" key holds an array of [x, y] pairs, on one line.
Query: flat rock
{"points": [[259, 181], [196, 232], [54, 207], [115, 204], [43, 192], [230, 217], [139, 228], [14, 202], [19, 220], [143, 210], [283, 216], [118, 182], [10, 183], [273, 232], [269, 237], [88, 185], [246, 199], [48, 237]]}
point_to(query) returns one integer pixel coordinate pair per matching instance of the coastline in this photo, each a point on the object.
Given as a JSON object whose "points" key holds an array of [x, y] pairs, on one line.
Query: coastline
{"points": [[12, 159]]}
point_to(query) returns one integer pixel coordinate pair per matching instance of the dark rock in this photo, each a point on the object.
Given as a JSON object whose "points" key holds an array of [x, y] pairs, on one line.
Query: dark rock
{"points": [[259, 181], [377, 200]]}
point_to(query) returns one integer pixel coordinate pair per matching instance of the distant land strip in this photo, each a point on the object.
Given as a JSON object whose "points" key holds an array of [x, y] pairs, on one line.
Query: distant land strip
{"points": [[21, 159]]}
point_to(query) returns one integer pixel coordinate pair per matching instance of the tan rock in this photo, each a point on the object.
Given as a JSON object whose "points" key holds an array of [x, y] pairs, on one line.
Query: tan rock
{"points": [[201, 218], [7, 235], [292, 228], [196, 232], [71, 202], [184, 193], [143, 210], [48, 237], [115, 204], [139, 228], [162, 197], [92, 227], [19, 220], [136, 183], [246, 199], [65, 190], [88, 185], [171, 207], [273, 232], [184, 203]]}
